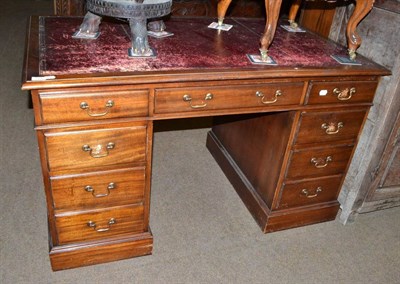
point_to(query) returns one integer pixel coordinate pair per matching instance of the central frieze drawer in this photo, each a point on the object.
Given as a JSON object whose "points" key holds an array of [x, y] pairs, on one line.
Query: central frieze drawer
{"points": [[318, 162], [99, 147], [92, 225], [86, 104], [99, 189], [171, 100], [325, 127]]}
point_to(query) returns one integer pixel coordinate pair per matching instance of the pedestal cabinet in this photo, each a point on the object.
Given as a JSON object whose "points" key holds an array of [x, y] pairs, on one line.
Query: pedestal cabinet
{"points": [[96, 173], [284, 134], [288, 167]]}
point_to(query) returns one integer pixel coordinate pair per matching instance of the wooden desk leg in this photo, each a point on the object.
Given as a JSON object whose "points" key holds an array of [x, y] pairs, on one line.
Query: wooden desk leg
{"points": [[272, 8], [221, 10], [293, 12], [363, 7]]}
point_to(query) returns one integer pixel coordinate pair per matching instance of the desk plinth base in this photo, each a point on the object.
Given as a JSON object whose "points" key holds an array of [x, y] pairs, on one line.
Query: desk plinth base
{"points": [[269, 220], [84, 254]]}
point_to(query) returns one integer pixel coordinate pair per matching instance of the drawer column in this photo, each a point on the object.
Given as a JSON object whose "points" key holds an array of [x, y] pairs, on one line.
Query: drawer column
{"points": [[96, 165]]}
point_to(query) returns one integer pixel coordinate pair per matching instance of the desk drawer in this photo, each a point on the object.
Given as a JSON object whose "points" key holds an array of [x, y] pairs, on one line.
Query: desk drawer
{"points": [[99, 147], [342, 92], [310, 192], [173, 100], [75, 227], [325, 127], [88, 104], [318, 162], [104, 189]]}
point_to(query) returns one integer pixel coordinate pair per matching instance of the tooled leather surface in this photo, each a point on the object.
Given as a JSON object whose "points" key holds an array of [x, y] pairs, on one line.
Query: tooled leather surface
{"points": [[193, 46]]}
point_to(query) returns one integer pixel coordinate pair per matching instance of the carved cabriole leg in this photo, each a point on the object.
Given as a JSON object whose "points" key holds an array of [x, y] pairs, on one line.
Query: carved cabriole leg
{"points": [[293, 12], [272, 8], [221, 10], [362, 8]]}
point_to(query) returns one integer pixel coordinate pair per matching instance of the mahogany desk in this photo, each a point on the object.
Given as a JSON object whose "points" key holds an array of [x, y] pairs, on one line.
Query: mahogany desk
{"points": [[284, 135]]}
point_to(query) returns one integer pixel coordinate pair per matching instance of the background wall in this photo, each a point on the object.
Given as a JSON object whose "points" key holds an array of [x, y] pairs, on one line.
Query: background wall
{"points": [[366, 187]]}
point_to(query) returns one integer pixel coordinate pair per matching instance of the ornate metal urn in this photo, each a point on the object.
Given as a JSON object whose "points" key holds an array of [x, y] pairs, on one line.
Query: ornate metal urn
{"points": [[137, 12]]}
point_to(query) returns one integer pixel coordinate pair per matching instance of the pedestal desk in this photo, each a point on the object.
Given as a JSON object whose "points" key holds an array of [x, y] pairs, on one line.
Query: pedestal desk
{"points": [[284, 135]]}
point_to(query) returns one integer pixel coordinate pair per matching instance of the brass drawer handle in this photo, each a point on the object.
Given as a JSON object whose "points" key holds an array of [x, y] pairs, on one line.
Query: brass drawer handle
{"points": [[331, 128], [344, 95], [320, 162], [110, 186], [188, 98], [93, 225], [261, 95], [98, 151], [85, 106], [305, 192]]}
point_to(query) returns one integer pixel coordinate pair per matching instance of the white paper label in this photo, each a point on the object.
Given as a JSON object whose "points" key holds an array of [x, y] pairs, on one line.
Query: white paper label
{"points": [[323, 93]]}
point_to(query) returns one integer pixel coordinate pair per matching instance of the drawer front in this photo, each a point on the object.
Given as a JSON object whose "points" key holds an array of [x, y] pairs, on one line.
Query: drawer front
{"points": [[99, 224], [93, 190], [318, 162], [100, 147], [82, 105], [325, 127], [342, 92], [225, 97], [310, 192]]}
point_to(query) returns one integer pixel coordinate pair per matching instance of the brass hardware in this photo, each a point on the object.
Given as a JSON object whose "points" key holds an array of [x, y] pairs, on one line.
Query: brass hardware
{"points": [[344, 95], [98, 152], [89, 188], [261, 95], [330, 128], [352, 54], [188, 98], [308, 195], [85, 106], [264, 55], [93, 225], [320, 162], [293, 24]]}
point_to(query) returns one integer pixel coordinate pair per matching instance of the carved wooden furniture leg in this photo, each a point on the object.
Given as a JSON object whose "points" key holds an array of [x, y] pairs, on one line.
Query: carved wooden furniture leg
{"points": [[293, 12], [272, 8], [362, 8], [221, 10]]}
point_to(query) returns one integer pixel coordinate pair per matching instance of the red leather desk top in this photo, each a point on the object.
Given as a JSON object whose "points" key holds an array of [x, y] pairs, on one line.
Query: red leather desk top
{"points": [[193, 46]]}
